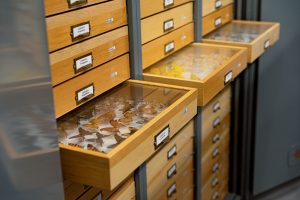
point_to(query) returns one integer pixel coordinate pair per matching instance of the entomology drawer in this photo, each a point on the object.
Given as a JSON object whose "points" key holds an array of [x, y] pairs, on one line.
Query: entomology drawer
{"points": [[72, 27], [216, 19], [166, 45], [209, 68], [162, 23], [256, 36], [169, 172], [155, 6], [114, 134], [76, 59], [57, 6], [209, 6], [170, 153], [79, 90]]}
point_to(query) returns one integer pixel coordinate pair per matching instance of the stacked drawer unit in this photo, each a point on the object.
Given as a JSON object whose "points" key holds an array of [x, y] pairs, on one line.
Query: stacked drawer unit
{"points": [[88, 49], [166, 26], [218, 27], [215, 146], [170, 171]]}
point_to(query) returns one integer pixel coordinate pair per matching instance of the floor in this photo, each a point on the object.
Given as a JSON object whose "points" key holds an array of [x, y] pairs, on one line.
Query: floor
{"points": [[290, 191]]}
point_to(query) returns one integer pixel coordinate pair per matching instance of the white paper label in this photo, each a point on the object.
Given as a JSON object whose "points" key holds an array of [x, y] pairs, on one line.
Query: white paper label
{"points": [[168, 25], [216, 106], [215, 182], [267, 44], [215, 153], [216, 138], [228, 77], [169, 47], [215, 167], [218, 21], [81, 30], [85, 93], [218, 3], [83, 62], [172, 171], [168, 3], [160, 138], [74, 1], [172, 189], [215, 196], [172, 152]]}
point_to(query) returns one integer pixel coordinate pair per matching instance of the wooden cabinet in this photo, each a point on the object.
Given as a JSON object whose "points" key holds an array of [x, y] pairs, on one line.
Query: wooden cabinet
{"points": [[216, 19], [73, 93], [71, 27], [79, 58], [256, 36], [155, 6], [115, 133], [162, 23], [209, 68], [209, 6]]}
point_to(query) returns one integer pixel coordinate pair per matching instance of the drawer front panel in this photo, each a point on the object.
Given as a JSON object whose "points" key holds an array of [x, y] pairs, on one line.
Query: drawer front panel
{"points": [[75, 26], [74, 190], [73, 93], [58, 6], [155, 6], [162, 23], [216, 19], [72, 61], [170, 153], [166, 45], [170, 172], [209, 6], [125, 192]]}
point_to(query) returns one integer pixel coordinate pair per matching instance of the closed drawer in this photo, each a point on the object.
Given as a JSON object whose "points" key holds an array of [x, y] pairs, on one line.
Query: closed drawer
{"points": [[92, 193], [169, 172], [178, 149], [212, 138], [74, 190], [75, 26], [72, 61], [114, 134], [221, 102], [209, 6], [216, 19], [155, 6], [174, 189], [212, 166], [73, 93], [162, 23], [126, 192], [256, 36], [166, 45], [58, 6], [209, 68]]}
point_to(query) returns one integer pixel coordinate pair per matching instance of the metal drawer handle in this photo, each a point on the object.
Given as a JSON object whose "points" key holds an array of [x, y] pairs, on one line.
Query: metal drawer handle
{"points": [[172, 171], [83, 63], [216, 106], [267, 44], [216, 138], [216, 122], [172, 152], [218, 21], [168, 25], [168, 3], [172, 190], [215, 167], [218, 4], [215, 196], [216, 152], [80, 31], [84, 94], [76, 3], [111, 49], [215, 182], [110, 20]]}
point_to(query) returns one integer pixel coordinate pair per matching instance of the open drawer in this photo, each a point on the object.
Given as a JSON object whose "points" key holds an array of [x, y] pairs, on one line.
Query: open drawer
{"points": [[207, 67], [256, 36], [105, 140]]}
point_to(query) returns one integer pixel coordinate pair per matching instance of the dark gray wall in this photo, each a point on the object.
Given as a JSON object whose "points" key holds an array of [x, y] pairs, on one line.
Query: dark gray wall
{"points": [[278, 111]]}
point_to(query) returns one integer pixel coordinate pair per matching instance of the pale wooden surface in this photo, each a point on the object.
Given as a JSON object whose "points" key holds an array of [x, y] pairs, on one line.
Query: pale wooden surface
{"points": [[256, 47], [74, 190], [160, 160], [208, 22], [212, 84], [84, 166], [209, 6], [62, 61], [64, 94], [155, 6], [153, 27], [58, 6], [126, 192], [155, 50], [59, 26]]}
